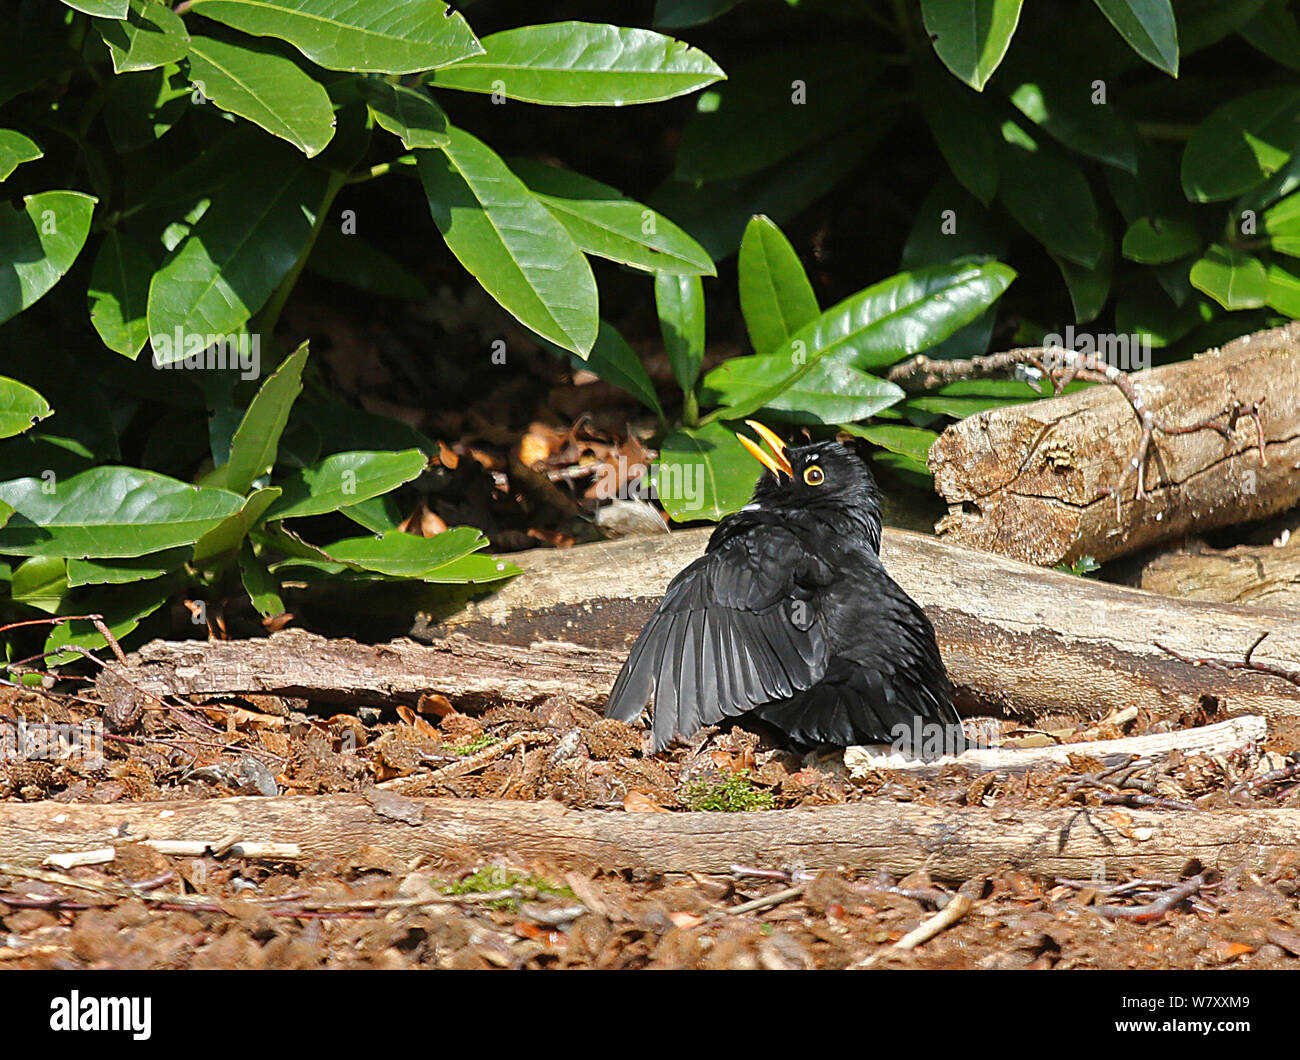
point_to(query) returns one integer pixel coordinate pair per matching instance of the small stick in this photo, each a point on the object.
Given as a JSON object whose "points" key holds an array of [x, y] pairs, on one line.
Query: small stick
{"points": [[1245, 664], [1143, 914], [468, 765], [76, 858], [957, 908], [771, 900]]}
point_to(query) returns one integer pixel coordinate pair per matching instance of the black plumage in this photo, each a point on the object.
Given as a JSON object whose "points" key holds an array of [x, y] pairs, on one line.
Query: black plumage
{"points": [[791, 617]]}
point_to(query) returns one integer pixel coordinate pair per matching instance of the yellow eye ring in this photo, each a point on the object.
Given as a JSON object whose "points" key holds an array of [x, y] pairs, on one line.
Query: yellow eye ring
{"points": [[813, 475]]}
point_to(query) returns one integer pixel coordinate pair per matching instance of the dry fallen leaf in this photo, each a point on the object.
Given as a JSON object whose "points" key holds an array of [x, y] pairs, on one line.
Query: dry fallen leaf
{"points": [[640, 802]]}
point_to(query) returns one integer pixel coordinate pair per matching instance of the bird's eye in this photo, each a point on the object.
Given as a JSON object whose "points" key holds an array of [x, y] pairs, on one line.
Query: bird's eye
{"points": [[813, 475]]}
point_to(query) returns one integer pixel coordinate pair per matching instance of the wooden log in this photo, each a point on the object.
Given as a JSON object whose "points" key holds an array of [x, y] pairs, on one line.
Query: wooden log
{"points": [[953, 844], [1031, 481], [1259, 575], [1018, 640]]}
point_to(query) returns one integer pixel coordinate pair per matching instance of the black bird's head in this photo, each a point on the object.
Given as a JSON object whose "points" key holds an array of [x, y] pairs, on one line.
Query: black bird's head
{"points": [[825, 478]]}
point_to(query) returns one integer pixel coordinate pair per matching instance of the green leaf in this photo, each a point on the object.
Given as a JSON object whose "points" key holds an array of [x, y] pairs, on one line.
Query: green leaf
{"points": [[676, 14], [142, 107], [222, 540], [21, 407], [1158, 240], [150, 35], [912, 442], [703, 473], [576, 64], [408, 112], [680, 304], [1050, 197], [1089, 288], [123, 608], [350, 259], [40, 582], [342, 480], [971, 36], [474, 569], [1273, 30], [963, 126], [602, 221], [103, 8], [254, 81], [776, 298], [1284, 288], [15, 149], [1061, 104], [234, 258], [1232, 277], [885, 323], [1157, 321], [830, 393], [262, 586], [378, 514], [1149, 28], [961, 406], [1282, 223], [1241, 143], [616, 362], [375, 35], [125, 571], [119, 293], [510, 242], [108, 512], [253, 448], [775, 107], [404, 555], [38, 244]]}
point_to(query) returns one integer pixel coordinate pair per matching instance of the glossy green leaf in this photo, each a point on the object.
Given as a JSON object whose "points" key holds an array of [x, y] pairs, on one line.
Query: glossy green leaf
{"points": [[254, 81], [577, 64], [376, 35], [1233, 278], [38, 244], [1050, 197], [1241, 143], [404, 555], [775, 107], [125, 571], [262, 586], [510, 242], [680, 304], [234, 258], [1284, 288], [142, 107], [102, 8], [344, 479], [1282, 223], [830, 392], [151, 35], [602, 221], [378, 514], [971, 36], [703, 473], [108, 512], [963, 126], [224, 539], [119, 293], [408, 112], [475, 569], [1149, 28], [40, 582], [617, 363], [776, 298], [1089, 288], [253, 448], [15, 149], [21, 407], [1157, 240], [912, 442], [1274, 31], [1061, 104]]}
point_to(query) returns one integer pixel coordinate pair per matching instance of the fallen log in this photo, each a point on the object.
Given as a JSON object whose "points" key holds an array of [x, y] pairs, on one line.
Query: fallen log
{"points": [[1051, 481], [953, 844], [1019, 641], [1259, 575]]}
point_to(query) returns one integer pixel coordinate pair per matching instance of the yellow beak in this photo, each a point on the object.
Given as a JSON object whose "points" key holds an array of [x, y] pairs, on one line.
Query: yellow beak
{"points": [[776, 462]]}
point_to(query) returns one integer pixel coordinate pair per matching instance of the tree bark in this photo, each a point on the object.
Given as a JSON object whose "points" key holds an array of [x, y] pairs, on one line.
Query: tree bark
{"points": [[952, 844], [1031, 481], [1259, 575]]}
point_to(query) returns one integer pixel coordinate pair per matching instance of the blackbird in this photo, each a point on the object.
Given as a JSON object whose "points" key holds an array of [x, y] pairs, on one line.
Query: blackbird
{"points": [[790, 617]]}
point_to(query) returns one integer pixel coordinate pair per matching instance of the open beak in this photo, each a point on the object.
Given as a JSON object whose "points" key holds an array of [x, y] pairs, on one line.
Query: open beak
{"points": [[776, 461]]}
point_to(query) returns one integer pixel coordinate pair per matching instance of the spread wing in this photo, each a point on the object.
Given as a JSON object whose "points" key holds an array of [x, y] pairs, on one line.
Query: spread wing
{"points": [[738, 628]]}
